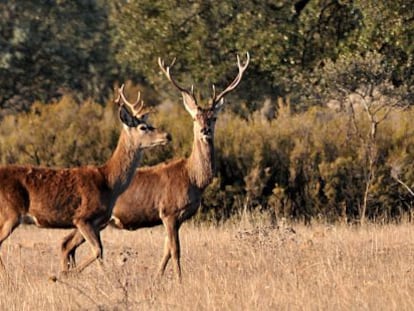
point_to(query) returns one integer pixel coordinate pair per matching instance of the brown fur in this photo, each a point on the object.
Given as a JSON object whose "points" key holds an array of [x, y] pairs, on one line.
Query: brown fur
{"points": [[170, 193], [53, 197], [180, 194], [81, 198], [172, 178]]}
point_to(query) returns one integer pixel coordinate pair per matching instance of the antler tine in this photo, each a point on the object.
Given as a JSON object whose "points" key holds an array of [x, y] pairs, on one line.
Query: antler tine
{"points": [[137, 102], [166, 71], [214, 91], [132, 107], [236, 81], [118, 98], [138, 98]]}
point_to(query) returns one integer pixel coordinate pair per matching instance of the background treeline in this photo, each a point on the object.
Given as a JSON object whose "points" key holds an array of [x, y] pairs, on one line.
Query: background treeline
{"points": [[320, 126]]}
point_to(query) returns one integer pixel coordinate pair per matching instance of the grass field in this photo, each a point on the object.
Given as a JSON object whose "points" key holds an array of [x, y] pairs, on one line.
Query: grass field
{"points": [[233, 267]]}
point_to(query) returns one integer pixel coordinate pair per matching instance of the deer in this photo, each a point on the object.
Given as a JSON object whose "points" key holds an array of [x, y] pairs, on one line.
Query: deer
{"points": [[79, 197], [170, 193]]}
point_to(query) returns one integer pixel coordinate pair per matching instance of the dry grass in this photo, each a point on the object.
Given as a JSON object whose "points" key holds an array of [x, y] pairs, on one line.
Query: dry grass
{"points": [[235, 267]]}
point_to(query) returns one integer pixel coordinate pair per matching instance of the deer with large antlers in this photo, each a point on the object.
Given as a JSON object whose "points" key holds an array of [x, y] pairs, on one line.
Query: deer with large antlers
{"points": [[82, 197], [170, 193]]}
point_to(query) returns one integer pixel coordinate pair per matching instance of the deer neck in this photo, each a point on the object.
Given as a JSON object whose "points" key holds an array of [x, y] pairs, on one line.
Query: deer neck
{"points": [[201, 163], [120, 168]]}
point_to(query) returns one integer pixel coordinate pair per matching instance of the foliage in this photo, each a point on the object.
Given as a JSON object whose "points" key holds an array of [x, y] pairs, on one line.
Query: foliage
{"points": [[60, 134], [389, 29], [321, 129], [283, 37], [57, 46], [312, 166], [296, 166], [51, 47]]}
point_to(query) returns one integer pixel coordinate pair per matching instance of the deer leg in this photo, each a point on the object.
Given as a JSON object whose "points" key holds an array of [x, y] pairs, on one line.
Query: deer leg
{"points": [[165, 258], [66, 261], [69, 245], [77, 240], [5, 230], [175, 251], [171, 248], [92, 236]]}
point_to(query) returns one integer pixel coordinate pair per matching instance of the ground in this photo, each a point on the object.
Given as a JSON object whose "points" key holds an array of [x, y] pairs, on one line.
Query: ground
{"points": [[231, 267]]}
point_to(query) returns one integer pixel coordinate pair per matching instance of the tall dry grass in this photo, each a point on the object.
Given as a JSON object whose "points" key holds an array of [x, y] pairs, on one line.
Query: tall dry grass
{"points": [[233, 267]]}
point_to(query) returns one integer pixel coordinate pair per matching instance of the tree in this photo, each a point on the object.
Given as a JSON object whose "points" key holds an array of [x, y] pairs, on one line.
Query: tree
{"points": [[363, 84], [388, 28], [52, 46], [283, 37]]}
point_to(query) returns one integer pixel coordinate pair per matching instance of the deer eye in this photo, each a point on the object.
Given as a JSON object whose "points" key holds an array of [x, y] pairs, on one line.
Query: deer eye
{"points": [[143, 127]]}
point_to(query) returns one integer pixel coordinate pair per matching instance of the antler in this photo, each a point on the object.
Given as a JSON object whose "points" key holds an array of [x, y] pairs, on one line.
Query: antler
{"points": [[135, 110], [166, 71], [233, 85]]}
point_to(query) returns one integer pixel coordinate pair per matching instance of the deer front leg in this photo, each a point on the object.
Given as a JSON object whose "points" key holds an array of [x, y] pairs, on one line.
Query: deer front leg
{"points": [[175, 252], [92, 236], [69, 245], [171, 247], [165, 258], [6, 228]]}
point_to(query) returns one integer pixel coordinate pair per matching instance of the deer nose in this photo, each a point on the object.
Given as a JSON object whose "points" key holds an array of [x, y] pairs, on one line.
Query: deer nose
{"points": [[168, 137], [205, 131]]}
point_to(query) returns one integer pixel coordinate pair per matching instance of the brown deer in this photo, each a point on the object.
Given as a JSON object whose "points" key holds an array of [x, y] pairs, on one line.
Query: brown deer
{"points": [[82, 197], [170, 193]]}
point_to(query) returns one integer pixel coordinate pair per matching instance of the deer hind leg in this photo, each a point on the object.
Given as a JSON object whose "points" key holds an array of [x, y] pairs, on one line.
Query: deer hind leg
{"points": [[69, 245], [6, 228], [171, 248], [92, 236]]}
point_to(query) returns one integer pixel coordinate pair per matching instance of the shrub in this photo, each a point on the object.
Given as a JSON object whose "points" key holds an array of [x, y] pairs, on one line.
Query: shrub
{"points": [[297, 166]]}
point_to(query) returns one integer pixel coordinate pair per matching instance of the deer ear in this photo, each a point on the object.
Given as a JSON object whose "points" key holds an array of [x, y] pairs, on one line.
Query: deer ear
{"points": [[189, 104], [127, 118]]}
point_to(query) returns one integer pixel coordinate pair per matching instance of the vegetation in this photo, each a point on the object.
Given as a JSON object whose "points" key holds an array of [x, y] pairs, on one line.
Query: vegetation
{"points": [[297, 165], [48, 48], [319, 129], [232, 267]]}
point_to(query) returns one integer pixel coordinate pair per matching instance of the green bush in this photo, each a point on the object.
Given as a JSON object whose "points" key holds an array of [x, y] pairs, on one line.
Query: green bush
{"points": [[298, 166], [60, 134]]}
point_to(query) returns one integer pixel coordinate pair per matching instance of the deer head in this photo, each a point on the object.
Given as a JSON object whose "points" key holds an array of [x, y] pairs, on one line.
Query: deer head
{"points": [[134, 118], [204, 118]]}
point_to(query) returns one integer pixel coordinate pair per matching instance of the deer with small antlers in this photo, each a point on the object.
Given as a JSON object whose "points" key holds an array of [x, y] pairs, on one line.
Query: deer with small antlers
{"points": [[170, 193], [82, 197]]}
